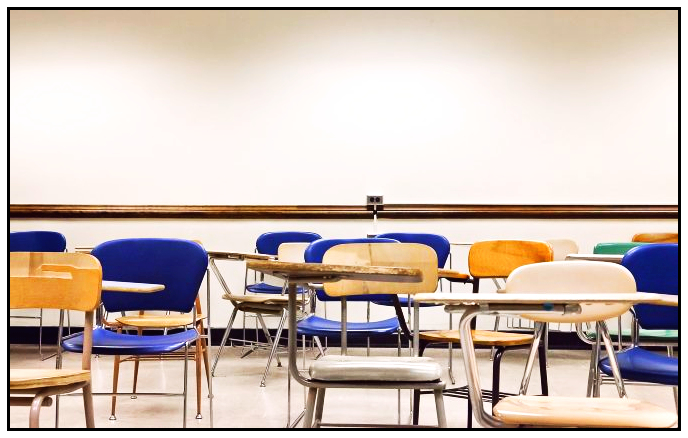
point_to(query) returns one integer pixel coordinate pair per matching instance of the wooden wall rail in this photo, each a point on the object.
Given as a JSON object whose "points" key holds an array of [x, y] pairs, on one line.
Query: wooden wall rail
{"points": [[390, 211]]}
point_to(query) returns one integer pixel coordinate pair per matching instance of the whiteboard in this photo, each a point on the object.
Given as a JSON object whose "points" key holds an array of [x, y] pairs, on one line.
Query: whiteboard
{"points": [[324, 107]]}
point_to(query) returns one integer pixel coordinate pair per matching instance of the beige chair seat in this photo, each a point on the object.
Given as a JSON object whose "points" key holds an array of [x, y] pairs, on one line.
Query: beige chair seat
{"points": [[42, 378], [480, 337], [375, 368], [158, 321], [582, 412], [258, 298]]}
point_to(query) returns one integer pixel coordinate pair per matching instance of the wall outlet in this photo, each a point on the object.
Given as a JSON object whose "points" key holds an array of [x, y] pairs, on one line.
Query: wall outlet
{"points": [[374, 202]]}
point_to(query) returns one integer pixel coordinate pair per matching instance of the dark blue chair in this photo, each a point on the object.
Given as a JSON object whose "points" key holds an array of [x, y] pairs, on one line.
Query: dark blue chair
{"points": [[656, 270], [37, 241], [179, 265], [268, 243], [317, 326]]}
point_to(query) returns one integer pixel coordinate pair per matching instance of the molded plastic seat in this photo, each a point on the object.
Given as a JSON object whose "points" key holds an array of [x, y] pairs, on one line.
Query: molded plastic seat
{"points": [[480, 337], [109, 342], [582, 412], [335, 368], [316, 326], [644, 366], [264, 288]]}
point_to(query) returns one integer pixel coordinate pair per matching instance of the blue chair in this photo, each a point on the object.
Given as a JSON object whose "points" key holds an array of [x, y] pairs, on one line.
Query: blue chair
{"points": [[655, 269], [317, 326], [268, 243], [37, 241], [180, 266]]}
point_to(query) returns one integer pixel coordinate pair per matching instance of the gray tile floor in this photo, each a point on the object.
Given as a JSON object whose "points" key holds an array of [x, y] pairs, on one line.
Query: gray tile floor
{"points": [[241, 403]]}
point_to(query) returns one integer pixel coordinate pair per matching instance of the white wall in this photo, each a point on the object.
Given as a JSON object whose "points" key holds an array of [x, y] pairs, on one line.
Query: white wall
{"points": [[323, 107]]}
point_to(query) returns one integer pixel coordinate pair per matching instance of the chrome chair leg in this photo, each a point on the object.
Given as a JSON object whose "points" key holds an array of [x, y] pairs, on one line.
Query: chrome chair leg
{"points": [[224, 340], [319, 403], [439, 406], [539, 329], [271, 342], [273, 350], [310, 407], [186, 370]]}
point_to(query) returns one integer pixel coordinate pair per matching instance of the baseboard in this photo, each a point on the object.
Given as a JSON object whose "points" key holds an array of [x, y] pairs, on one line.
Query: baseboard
{"points": [[30, 335]]}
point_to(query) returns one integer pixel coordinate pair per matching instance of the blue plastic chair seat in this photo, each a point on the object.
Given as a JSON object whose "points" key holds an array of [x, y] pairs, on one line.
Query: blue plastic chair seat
{"points": [[644, 366], [404, 302], [264, 288], [317, 326], [113, 343]]}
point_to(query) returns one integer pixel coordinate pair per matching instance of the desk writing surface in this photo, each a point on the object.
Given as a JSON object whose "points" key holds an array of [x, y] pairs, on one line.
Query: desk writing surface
{"points": [[538, 298], [235, 255], [613, 258], [335, 272], [124, 286]]}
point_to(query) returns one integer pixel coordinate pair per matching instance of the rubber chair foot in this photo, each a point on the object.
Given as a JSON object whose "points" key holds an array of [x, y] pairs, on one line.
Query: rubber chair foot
{"points": [[199, 417], [133, 397], [112, 418]]}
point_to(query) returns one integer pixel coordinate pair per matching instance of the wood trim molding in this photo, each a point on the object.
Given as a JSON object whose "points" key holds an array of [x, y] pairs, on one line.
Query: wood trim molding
{"points": [[390, 211]]}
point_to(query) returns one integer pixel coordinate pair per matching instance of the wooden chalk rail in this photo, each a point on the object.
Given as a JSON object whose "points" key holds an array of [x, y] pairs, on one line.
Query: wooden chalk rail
{"points": [[389, 211]]}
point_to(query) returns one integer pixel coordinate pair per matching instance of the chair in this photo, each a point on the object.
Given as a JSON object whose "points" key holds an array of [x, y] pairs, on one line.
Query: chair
{"points": [[342, 371], [267, 243], [317, 326], [37, 241], [572, 278], [646, 337], [180, 266], [615, 247], [491, 260], [656, 237], [655, 269], [144, 321], [54, 281], [442, 248]]}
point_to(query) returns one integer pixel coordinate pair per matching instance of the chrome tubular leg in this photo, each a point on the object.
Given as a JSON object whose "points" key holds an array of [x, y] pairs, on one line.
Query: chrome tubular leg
{"points": [[186, 370], [224, 340], [539, 329], [594, 377], [439, 405], [273, 350], [271, 342], [310, 405], [612, 360]]}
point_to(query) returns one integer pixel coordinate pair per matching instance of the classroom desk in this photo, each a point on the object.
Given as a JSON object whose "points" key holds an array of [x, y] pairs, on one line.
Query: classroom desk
{"points": [[473, 305], [303, 274], [612, 258]]}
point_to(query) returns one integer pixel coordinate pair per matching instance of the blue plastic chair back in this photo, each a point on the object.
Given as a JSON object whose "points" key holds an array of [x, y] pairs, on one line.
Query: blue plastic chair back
{"points": [[268, 243], [655, 269], [37, 241], [178, 264], [437, 242], [618, 248], [316, 250]]}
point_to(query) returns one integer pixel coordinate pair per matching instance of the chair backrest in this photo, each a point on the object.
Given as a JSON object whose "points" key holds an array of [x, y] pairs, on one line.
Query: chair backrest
{"points": [[409, 255], [292, 252], [498, 258], [437, 242], [562, 247], [656, 237], [655, 269], [54, 280], [268, 243], [179, 265], [316, 250], [37, 241], [619, 248], [574, 278]]}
